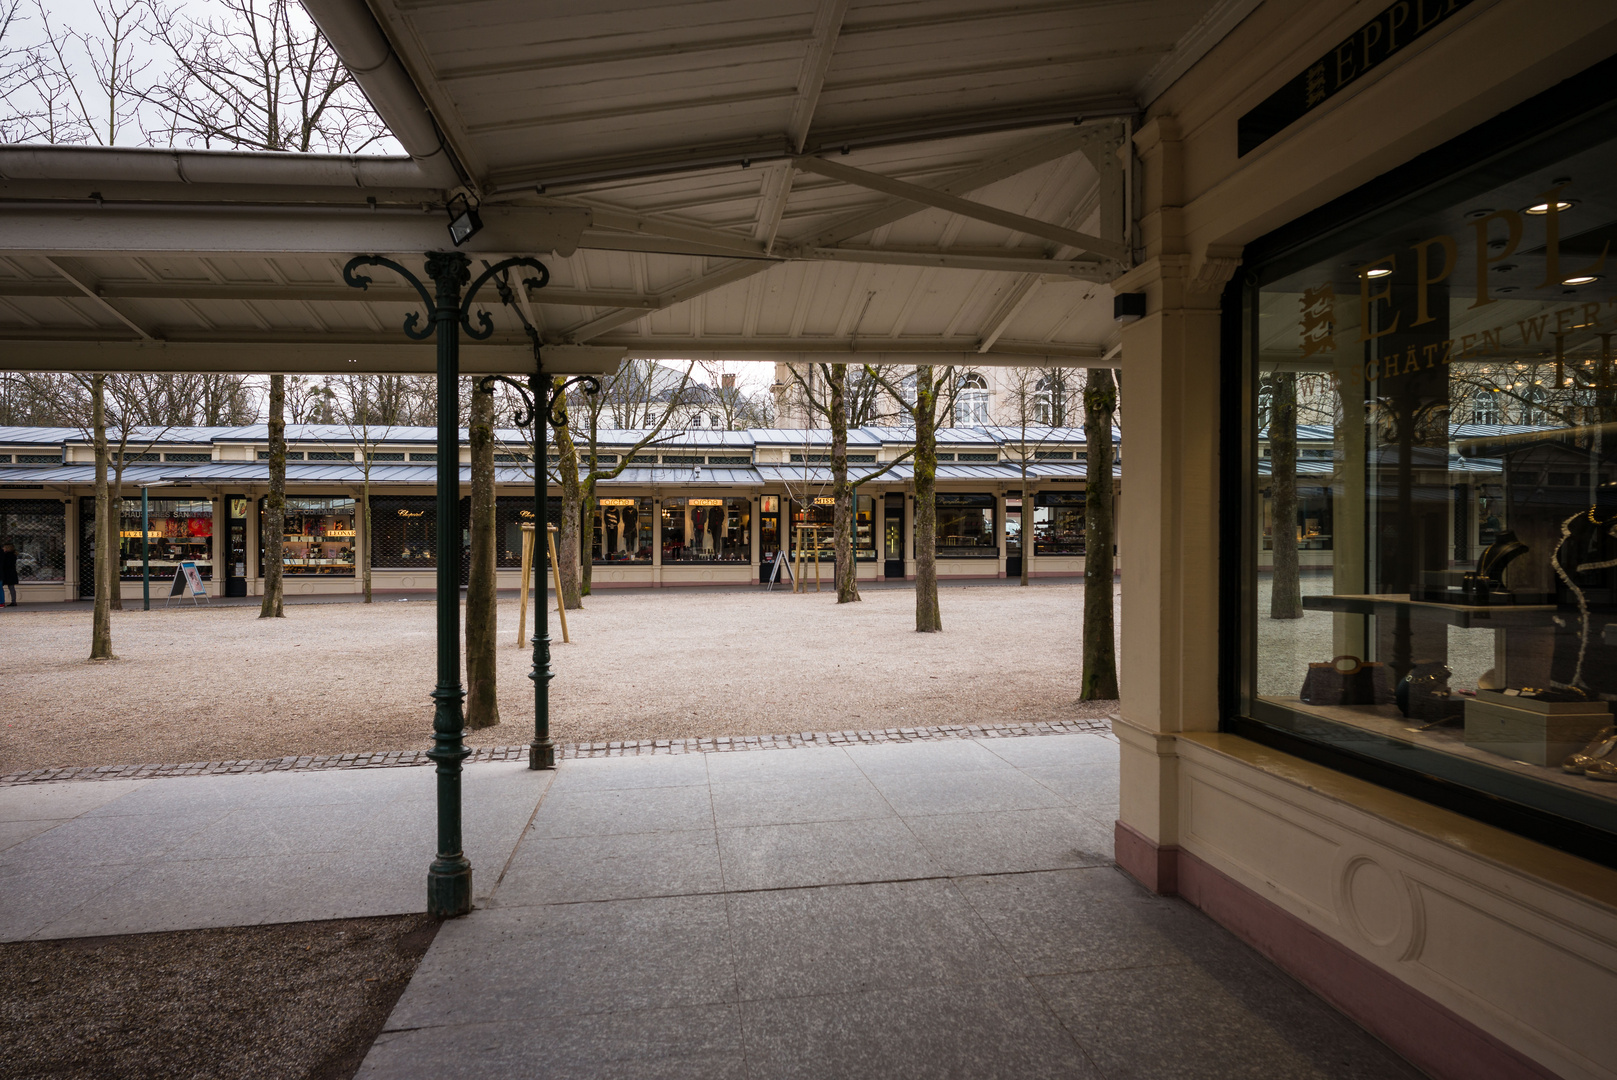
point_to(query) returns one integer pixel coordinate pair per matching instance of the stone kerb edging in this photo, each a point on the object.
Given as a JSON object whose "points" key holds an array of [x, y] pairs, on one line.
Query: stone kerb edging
{"points": [[394, 759]]}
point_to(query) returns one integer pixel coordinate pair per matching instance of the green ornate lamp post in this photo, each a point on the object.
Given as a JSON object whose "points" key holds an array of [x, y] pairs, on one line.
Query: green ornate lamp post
{"points": [[449, 879], [540, 398]]}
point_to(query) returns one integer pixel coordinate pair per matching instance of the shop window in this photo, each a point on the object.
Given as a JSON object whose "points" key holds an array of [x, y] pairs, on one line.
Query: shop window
{"points": [[820, 512], [511, 512], [178, 530], [319, 536], [37, 529], [965, 527], [623, 529], [707, 529], [404, 531], [1436, 599], [1058, 523]]}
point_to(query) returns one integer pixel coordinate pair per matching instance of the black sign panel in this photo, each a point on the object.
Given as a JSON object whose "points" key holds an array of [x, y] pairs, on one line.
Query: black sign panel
{"points": [[1370, 46]]}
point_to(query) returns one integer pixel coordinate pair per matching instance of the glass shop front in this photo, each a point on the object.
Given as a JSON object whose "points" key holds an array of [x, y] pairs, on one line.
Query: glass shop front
{"points": [[816, 517], [623, 528], [318, 538], [1458, 633], [965, 526], [707, 529], [178, 530], [1058, 523], [36, 529]]}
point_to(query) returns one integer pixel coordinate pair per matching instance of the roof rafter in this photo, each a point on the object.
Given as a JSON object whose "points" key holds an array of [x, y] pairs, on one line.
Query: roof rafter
{"points": [[914, 193], [827, 26], [717, 279], [82, 281]]}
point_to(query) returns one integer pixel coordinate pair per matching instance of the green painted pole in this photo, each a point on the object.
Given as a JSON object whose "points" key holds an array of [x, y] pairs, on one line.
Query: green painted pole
{"points": [[449, 880], [542, 751], [145, 548]]}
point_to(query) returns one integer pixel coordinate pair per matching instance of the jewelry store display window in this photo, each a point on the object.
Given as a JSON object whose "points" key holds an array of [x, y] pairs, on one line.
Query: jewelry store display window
{"points": [[1427, 534], [511, 512], [405, 531], [179, 530], [319, 536], [1058, 523], [965, 527], [36, 528], [707, 529], [623, 528]]}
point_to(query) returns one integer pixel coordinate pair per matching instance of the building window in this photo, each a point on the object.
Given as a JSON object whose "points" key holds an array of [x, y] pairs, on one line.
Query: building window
{"points": [[820, 512], [36, 528], [971, 401], [623, 527], [1058, 523], [1460, 621], [404, 531], [965, 527], [178, 530], [291, 455], [1050, 401], [318, 538], [707, 529]]}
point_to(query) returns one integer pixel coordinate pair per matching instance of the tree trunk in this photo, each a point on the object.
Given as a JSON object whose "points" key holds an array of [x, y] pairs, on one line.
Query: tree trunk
{"points": [[1286, 595], [365, 511], [274, 524], [842, 520], [586, 537], [101, 626], [1099, 681], [928, 617], [572, 499], [482, 704], [1024, 519]]}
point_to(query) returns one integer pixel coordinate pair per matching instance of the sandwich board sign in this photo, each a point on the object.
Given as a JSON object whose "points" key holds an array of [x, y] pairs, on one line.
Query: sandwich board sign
{"points": [[187, 582]]}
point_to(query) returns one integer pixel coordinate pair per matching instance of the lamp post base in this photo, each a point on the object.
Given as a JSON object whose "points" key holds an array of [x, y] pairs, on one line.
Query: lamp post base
{"points": [[449, 888], [542, 754]]}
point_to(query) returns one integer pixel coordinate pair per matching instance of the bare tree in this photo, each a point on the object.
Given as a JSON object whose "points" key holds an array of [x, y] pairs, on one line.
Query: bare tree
{"points": [[274, 525], [368, 427], [1038, 410], [735, 408], [1099, 680], [56, 96], [925, 396], [482, 703], [101, 621], [1285, 597], [260, 76]]}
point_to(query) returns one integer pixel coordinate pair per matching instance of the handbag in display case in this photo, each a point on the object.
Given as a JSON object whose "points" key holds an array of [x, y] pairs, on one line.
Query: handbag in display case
{"points": [[1344, 680]]}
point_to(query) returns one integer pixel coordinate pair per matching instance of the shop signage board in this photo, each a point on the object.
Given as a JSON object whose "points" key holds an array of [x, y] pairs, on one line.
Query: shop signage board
{"points": [[1366, 49], [187, 581]]}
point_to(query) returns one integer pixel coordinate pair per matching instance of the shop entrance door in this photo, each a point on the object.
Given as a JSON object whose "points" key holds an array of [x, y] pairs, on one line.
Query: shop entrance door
{"points": [[236, 555], [893, 538], [1013, 536]]}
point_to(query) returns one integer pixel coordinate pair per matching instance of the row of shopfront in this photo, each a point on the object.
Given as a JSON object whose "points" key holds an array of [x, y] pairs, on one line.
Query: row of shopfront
{"points": [[662, 529]]}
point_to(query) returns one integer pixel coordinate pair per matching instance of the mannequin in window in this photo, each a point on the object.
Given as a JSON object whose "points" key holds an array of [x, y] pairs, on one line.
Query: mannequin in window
{"points": [[1585, 565]]}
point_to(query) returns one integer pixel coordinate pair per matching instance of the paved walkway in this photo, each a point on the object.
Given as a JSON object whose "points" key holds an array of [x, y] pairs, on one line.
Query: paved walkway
{"points": [[928, 909]]}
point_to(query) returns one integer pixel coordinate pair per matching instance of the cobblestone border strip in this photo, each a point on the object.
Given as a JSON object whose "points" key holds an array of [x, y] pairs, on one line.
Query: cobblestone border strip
{"points": [[393, 759]]}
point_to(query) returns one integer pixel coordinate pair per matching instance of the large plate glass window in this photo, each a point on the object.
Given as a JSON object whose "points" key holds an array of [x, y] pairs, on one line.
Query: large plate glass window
{"points": [[708, 529], [965, 527], [623, 528], [1430, 519], [319, 538], [179, 530], [35, 527], [1058, 523], [405, 531], [820, 512]]}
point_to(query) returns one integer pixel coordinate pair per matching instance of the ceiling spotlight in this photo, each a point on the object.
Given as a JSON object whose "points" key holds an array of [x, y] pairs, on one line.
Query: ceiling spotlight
{"points": [[1480, 212], [463, 219], [1561, 205], [1581, 279], [1377, 271]]}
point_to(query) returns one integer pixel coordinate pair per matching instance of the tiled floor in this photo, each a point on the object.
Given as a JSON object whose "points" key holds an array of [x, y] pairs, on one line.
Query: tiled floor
{"points": [[132, 856], [927, 910]]}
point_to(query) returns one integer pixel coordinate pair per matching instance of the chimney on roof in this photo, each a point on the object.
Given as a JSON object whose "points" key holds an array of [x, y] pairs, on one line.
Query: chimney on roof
{"points": [[729, 380]]}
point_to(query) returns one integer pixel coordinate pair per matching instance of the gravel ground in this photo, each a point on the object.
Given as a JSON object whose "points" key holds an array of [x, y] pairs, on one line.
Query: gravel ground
{"points": [[301, 1000], [203, 685]]}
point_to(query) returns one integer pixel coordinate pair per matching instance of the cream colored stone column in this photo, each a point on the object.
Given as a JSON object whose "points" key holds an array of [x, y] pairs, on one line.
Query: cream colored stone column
{"points": [[1168, 663]]}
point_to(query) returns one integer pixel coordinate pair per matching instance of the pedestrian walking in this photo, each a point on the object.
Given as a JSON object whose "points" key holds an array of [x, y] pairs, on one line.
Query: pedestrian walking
{"points": [[8, 573]]}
